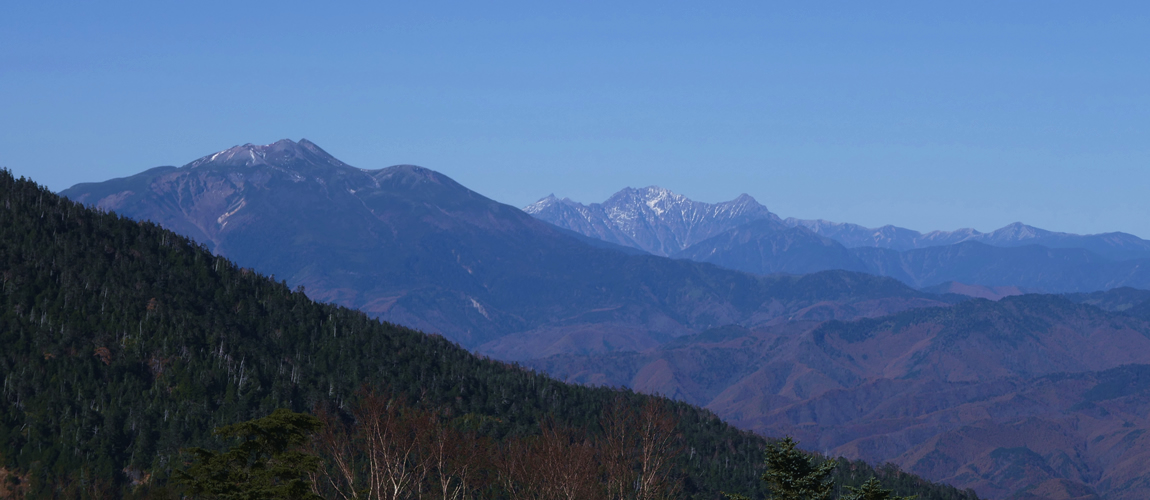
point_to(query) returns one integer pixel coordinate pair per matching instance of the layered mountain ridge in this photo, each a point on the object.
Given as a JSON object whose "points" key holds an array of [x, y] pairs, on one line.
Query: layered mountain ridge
{"points": [[1029, 394]]}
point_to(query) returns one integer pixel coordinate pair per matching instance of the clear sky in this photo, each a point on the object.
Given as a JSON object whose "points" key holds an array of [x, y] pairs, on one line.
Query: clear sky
{"points": [[915, 114]]}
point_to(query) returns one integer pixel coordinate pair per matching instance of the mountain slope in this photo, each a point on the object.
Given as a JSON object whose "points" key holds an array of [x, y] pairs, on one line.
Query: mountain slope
{"points": [[414, 247], [766, 247], [929, 389]]}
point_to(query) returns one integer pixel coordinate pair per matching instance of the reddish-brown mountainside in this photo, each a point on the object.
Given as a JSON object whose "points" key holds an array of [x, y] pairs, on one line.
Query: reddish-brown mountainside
{"points": [[1033, 396]]}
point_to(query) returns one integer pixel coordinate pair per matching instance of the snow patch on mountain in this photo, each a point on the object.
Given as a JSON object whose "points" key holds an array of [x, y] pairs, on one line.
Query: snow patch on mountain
{"points": [[662, 222], [281, 155], [653, 219]]}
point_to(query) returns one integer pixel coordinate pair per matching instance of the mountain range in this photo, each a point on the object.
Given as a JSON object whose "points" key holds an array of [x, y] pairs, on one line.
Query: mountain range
{"points": [[1015, 255], [1116, 245], [125, 343], [411, 246], [856, 364]]}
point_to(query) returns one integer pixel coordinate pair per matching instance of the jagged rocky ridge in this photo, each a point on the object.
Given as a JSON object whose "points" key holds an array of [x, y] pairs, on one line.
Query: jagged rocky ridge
{"points": [[652, 219]]}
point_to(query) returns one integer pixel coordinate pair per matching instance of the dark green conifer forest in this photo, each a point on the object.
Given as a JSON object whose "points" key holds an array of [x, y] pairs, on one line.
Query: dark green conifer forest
{"points": [[124, 343]]}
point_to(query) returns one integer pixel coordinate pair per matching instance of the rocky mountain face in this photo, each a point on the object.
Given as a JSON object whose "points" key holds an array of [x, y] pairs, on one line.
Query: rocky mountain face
{"points": [[414, 247], [652, 219], [1029, 397]]}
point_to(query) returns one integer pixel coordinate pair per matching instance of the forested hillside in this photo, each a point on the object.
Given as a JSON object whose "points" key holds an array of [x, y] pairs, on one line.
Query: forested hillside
{"points": [[124, 343]]}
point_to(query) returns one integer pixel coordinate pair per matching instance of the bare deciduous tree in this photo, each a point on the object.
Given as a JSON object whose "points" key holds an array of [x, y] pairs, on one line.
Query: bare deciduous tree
{"points": [[456, 459], [385, 457], [638, 451], [659, 445], [387, 450], [559, 464], [617, 449]]}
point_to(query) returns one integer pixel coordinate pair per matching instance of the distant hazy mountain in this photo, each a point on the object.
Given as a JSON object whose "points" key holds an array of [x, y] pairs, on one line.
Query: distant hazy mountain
{"points": [[414, 247], [764, 247], [892, 237], [767, 246], [652, 219], [1033, 267], [1116, 246], [661, 222], [1014, 256], [1031, 395]]}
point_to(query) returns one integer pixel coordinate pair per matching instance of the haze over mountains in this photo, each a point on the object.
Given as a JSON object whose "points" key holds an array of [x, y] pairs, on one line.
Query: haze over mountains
{"points": [[1117, 245], [592, 296], [742, 234]]}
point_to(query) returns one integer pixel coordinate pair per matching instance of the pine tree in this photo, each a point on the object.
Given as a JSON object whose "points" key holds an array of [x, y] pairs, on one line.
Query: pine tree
{"points": [[873, 490], [792, 474], [264, 465]]}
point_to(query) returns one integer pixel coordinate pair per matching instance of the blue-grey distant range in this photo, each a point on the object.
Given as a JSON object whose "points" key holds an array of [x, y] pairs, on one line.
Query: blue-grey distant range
{"points": [[742, 234]]}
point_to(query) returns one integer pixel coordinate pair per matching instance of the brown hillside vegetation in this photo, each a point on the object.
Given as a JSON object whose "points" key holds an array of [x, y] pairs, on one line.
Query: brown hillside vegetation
{"points": [[1033, 395]]}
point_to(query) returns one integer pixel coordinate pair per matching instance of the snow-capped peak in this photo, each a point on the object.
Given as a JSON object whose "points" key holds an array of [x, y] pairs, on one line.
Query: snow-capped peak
{"points": [[541, 205], [652, 218], [277, 154]]}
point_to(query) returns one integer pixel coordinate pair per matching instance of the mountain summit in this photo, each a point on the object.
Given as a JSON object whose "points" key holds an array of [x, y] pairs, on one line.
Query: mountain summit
{"points": [[283, 152], [653, 219]]}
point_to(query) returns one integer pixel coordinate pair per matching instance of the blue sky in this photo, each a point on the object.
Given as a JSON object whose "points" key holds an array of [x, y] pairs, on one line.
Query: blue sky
{"points": [[916, 114]]}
